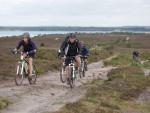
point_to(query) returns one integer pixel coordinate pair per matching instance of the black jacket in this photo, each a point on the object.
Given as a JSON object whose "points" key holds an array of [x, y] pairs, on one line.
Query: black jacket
{"points": [[30, 47], [70, 49]]}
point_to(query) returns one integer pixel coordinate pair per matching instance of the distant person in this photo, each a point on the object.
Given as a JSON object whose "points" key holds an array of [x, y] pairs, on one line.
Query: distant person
{"points": [[135, 55], [84, 54], [84, 50], [29, 50]]}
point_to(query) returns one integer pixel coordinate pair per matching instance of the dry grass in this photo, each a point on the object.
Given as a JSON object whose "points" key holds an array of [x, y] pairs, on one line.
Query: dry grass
{"points": [[47, 56], [115, 95]]}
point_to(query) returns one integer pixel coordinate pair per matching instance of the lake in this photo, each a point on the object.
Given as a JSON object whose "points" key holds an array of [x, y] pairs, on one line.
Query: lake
{"points": [[36, 33]]}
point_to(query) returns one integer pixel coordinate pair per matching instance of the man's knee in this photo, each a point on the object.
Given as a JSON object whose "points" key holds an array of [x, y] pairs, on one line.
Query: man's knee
{"points": [[78, 60], [30, 61]]}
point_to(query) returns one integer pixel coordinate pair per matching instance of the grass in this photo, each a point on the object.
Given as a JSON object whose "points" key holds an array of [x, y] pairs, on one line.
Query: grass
{"points": [[46, 60], [115, 95], [125, 60], [47, 55], [121, 60], [3, 103], [146, 56], [96, 54]]}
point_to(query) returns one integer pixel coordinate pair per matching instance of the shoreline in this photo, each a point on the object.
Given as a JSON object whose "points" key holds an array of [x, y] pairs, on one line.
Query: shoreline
{"points": [[10, 34]]}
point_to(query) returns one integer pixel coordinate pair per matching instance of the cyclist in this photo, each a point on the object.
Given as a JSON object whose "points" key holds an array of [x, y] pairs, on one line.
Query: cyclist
{"points": [[84, 53], [84, 50], [29, 49], [64, 42], [71, 48]]}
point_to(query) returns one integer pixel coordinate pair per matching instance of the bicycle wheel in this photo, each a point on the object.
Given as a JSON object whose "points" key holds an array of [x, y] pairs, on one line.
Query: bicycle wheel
{"points": [[82, 70], [32, 79], [71, 79], [86, 66], [62, 74], [19, 75]]}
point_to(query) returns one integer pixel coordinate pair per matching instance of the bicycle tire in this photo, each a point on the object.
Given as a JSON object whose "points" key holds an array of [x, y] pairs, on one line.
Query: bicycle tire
{"points": [[82, 70], [71, 80], [62, 75], [19, 77]]}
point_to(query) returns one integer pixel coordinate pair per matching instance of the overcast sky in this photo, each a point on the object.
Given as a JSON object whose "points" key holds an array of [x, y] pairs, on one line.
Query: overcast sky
{"points": [[74, 12]]}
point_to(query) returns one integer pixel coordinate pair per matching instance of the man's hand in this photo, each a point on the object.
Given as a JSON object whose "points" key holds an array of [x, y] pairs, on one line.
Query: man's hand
{"points": [[14, 51], [63, 58], [25, 55]]}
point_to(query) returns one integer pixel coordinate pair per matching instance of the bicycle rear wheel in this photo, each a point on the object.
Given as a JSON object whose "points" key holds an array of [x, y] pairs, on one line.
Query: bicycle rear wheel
{"points": [[82, 70], [19, 77], [32, 79], [86, 66]]}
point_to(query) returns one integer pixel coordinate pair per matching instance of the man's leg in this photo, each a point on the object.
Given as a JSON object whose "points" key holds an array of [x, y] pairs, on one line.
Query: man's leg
{"points": [[78, 61], [30, 66]]}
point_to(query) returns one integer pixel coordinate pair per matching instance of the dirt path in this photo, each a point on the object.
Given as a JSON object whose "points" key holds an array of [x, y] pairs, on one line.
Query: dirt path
{"points": [[49, 94]]}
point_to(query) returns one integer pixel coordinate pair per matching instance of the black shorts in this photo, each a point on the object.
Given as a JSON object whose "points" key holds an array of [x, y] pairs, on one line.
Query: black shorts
{"points": [[31, 55], [68, 61]]}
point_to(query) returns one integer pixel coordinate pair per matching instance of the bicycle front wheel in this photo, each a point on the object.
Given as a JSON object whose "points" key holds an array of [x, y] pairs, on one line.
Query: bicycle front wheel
{"points": [[19, 77], [71, 79], [62, 74]]}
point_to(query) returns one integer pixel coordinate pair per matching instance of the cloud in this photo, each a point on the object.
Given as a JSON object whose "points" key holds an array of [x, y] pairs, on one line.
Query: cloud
{"points": [[77, 12]]}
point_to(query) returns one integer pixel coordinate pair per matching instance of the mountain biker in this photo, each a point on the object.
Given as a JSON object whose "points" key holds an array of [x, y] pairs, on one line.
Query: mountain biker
{"points": [[71, 48], [84, 50], [29, 49], [84, 53], [64, 42]]}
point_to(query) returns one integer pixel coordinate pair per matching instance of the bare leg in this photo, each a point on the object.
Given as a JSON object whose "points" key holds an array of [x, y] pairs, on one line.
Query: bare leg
{"points": [[78, 61], [30, 66]]}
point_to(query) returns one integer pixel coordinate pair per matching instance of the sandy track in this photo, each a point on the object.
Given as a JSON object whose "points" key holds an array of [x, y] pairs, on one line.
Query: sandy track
{"points": [[49, 94]]}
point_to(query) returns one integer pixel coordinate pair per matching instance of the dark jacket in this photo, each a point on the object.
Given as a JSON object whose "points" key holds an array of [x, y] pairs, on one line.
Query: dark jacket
{"points": [[70, 49], [30, 47], [84, 51]]}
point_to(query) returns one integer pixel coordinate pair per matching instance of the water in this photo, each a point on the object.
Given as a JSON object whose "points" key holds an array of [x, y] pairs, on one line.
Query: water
{"points": [[36, 33], [32, 33]]}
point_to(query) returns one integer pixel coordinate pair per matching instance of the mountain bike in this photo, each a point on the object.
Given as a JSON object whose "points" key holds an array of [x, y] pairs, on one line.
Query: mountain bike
{"points": [[83, 67], [22, 71], [72, 72]]}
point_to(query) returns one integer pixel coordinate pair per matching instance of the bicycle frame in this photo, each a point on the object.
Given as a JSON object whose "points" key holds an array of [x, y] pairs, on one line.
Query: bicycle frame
{"points": [[72, 66], [23, 64]]}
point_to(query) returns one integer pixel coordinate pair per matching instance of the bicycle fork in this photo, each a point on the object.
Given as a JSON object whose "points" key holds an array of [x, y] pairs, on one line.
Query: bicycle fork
{"points": [[22, 67], [73, 70], [18, 67]]}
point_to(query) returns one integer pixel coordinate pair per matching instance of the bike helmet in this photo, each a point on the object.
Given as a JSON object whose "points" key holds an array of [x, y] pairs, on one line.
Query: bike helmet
{"points": [[26, 35], [72, 35]]}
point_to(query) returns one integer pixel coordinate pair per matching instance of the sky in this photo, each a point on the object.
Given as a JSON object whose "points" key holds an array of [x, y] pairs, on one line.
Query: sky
{"points": [[75, 13]]}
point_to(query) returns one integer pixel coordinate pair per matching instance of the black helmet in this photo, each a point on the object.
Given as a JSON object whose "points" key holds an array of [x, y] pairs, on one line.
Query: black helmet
{"points": [[72, 35]]}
